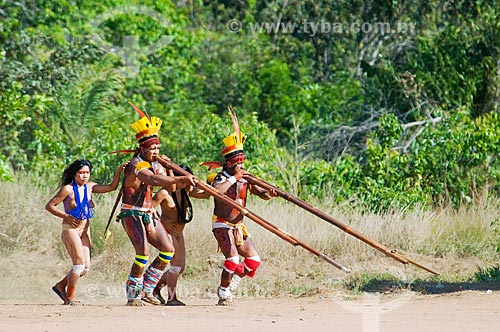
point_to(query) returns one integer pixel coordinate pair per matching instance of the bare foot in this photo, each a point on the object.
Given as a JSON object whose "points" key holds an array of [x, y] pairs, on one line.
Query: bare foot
{"points": [[149, 298], [225, 298], [73, 303], [135, 303], [225, 302], [175, 302], [60, 292], [157, 294]]}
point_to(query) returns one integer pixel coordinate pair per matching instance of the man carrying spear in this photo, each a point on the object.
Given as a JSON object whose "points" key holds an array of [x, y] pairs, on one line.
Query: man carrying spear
{"points": [[141, 174], [231, 234]]}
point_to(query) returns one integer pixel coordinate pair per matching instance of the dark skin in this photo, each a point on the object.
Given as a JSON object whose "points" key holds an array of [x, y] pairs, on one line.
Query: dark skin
{"points": [[227, 212], [135, 185], [136, 192], [170, 220], [224, 236]]}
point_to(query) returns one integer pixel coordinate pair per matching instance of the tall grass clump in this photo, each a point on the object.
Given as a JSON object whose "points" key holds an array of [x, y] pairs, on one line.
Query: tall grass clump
{"points": [[25, 226]]}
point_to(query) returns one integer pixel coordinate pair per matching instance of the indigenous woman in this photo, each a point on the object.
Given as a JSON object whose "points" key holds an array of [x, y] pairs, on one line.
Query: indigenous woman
{"points": [[75, 191]]}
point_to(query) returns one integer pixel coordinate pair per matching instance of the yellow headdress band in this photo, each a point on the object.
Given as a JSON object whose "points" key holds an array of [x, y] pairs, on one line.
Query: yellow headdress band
{"points": [[233, 151], [146, 128], [233, 142]]}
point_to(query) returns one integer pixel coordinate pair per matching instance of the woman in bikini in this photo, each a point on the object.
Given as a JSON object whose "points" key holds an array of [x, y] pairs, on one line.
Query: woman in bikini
{"points": [[75, 191]]}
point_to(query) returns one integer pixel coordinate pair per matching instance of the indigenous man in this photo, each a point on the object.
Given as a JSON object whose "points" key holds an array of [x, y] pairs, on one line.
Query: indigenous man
{"points": [[231, 234], [176, 212], [141, 175]]}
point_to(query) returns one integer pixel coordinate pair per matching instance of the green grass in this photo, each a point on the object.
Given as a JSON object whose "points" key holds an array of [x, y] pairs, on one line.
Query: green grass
{"points": [[488, 274]]}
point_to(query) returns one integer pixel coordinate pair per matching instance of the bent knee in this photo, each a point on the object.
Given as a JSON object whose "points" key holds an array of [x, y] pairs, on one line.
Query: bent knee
{"points": [[251, 265]]}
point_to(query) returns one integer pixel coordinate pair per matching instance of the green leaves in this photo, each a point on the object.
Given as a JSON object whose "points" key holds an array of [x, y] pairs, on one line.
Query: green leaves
{"points": [[385, 119]]}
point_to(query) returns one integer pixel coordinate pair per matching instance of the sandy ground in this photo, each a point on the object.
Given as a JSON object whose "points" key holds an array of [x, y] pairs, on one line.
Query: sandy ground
{"points": [[405, 311]]}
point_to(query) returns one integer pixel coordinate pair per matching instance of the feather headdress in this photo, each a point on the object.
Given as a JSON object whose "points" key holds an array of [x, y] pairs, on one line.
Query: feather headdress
{"points": [[233, 150], [234, 141], [146, 129]]}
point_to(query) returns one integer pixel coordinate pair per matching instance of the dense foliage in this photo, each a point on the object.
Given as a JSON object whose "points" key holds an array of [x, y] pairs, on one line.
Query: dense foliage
{"points": [[335, 104]]}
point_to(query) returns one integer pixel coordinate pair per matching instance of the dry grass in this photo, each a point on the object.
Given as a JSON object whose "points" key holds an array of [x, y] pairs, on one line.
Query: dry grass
{"points": [[455, 243]]}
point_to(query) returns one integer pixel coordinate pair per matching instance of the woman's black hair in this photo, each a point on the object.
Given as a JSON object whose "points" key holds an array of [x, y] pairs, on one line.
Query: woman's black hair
{"points": [[70, 171]]}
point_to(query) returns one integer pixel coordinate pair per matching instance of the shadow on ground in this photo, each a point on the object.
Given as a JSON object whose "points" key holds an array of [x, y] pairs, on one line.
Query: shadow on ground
{"points": [[484, 279], [427, 287]]}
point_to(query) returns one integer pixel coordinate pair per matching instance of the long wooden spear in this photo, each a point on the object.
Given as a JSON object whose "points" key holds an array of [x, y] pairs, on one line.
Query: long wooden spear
{"points": [[391, 253], [247, 213]]}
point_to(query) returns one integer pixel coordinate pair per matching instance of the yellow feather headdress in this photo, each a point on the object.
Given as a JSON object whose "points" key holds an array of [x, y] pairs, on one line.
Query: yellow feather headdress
{"points": [[234, 141], [233, 151], [146, 127]]}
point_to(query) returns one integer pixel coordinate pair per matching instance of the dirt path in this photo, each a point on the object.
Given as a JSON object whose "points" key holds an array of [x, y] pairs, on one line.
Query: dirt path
{"points": [[408, 312]]}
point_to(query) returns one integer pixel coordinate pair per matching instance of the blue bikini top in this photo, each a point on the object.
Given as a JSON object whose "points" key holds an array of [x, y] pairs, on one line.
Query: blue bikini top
{"points": [[83, 209]]}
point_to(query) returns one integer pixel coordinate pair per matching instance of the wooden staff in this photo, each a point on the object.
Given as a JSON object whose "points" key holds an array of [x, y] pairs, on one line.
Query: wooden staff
{"points": [[247, 213], [117, 200], [391, 253]]}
